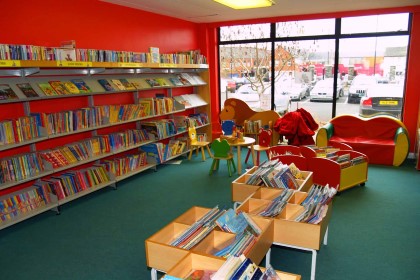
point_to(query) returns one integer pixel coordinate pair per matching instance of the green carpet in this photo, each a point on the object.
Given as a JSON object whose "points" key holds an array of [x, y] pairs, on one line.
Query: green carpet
{"points": [[373, 233]]}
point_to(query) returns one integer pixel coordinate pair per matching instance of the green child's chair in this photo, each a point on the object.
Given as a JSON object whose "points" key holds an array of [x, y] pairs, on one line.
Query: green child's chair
{"points": [[221, 151]]}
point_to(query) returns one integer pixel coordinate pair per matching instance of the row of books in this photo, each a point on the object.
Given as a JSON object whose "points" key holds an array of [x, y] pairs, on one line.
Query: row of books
{"points": [[252, 127], [31, 52], [125, 164], [79, 86], [20, 167], [20, 203], [19, 130], [127, 139], [316, 204], [274, 174], [276, 206], [162, 152], [162, 128], [241, 267], [76, 181], [197, 231]]}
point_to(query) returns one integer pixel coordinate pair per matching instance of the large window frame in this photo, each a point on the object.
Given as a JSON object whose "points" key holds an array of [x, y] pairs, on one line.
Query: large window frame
{"points": [[337, 36]]}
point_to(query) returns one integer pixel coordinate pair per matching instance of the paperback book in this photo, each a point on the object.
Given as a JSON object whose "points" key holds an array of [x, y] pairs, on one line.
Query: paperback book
{"points": [[7, 93], [27, 90]]}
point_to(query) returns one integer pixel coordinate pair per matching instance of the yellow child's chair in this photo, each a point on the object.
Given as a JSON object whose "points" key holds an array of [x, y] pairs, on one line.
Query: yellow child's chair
{"points": [[197, 145], [221, 150]]}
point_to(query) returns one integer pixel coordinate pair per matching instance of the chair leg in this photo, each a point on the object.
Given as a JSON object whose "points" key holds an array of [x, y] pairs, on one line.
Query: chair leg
{"points": [[229, 169], [233, 164], [247, 156], [208, 150], [217, 164], [203, 156], [190, 154], [212, 166]]}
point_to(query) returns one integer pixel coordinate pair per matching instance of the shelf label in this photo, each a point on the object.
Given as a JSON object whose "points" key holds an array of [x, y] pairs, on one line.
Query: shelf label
{"points": [[9, 63], [129, 64], [167, 65], [63, 63]]}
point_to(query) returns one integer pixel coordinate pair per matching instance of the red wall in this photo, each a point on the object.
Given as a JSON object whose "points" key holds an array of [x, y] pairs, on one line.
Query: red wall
{"points": [[412, 97], [93, 24]]}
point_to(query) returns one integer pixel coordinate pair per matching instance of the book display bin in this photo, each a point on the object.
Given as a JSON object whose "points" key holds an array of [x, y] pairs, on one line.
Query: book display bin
{"points": [[161, 256], [186, 99]]}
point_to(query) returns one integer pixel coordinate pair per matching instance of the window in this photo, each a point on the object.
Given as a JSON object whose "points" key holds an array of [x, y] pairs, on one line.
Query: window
{"points": [[359, 69]]}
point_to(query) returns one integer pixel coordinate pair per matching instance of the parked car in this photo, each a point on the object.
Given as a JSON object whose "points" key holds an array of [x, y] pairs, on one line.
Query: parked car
{"points": [[251, 97], [230, 86], [382, 99], [296, 91], [359, 86], [323, 90]]}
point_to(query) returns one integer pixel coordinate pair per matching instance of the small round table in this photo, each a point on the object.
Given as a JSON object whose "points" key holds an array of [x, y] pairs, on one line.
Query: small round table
{"points": [[248, 141]]}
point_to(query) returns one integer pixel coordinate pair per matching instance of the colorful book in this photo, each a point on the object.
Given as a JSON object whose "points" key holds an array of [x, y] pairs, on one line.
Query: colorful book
{"points": [[175, 81], [27, 90], [152, 82], [127, 84], [162, 82], [118, 84], [81, 85], [154, 55], [71, 88], [47, 89], [106, 85], [59, 87], [7, 93]]}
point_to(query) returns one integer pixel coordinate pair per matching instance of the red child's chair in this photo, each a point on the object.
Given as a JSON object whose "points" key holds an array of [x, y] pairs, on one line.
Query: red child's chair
{"points": [[264, 143]]}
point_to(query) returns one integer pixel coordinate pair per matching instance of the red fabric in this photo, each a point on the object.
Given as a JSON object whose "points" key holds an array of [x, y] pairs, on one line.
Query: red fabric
{"points": [[297, 127]]}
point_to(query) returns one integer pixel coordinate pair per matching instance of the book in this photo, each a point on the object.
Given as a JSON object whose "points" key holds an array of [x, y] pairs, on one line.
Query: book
{"points": [[162, 82], [127, 84], [47, 89], [118, 84], [81, 85], [154, 55], [59, 87], [175, 81], [7, 93], [106, 84], [27, 90], [152, 82], [71, 88]]}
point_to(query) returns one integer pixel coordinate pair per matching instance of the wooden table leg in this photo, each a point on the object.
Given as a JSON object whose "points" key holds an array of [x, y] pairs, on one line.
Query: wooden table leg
{"points": [[239, 160], [253, 155]]}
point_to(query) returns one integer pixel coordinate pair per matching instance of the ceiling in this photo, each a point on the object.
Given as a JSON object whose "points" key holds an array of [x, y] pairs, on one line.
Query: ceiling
{"points": [[202, 11]]}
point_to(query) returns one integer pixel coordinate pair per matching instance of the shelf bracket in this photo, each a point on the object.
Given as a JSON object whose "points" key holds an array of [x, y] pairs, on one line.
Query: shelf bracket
{"points": [[94, 71]]}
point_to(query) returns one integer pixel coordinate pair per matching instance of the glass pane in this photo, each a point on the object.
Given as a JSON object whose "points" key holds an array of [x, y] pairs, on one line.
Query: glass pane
{"points": [[376, 23], [373, 75], [301, 68], [305, 28], [245, 74], [245, 32]]}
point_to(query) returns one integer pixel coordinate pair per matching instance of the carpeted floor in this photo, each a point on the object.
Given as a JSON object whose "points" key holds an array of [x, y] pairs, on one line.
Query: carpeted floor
{"points": [[373, 233]]}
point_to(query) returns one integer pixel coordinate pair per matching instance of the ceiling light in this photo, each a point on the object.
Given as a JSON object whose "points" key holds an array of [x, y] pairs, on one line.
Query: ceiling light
{"points": [[246, 4]]}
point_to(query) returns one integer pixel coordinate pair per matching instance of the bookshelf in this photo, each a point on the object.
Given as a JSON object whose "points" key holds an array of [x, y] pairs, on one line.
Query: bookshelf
{"points": [[110, 120]]}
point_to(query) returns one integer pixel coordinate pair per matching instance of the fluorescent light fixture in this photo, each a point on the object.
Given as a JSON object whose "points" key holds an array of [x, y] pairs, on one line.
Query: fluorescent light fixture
{"points": [[246, 4]]}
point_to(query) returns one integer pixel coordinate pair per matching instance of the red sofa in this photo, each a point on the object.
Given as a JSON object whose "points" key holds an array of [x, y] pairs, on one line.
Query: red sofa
{"points": [[384, 140]]}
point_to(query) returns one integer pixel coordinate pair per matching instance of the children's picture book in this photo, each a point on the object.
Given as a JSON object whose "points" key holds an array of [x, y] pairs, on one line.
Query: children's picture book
{"points": [[81, 85], [106, 84], [118, 84], [7, 93], [71, 87], [27, 90], [152, 82], [175, 81], [59, 87], [127, 84], [47, 89], [154, 55], [136, 85], [162, 82], [183, 80]]}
